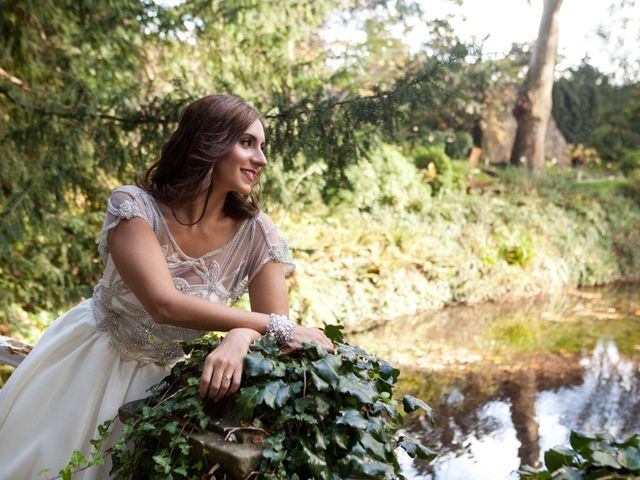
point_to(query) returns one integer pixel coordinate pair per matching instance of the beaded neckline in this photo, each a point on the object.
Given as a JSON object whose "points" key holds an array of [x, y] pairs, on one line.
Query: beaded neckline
{"points": [[237, 233]]}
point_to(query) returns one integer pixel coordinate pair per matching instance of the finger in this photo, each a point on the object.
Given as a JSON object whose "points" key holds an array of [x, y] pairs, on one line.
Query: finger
{"points": [[235, 382], [205, 378], [216, 382], [225, 382]]}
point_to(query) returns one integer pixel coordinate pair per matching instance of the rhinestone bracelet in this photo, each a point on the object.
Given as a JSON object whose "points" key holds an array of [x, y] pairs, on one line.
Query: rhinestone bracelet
{"points": [[280, 329]]}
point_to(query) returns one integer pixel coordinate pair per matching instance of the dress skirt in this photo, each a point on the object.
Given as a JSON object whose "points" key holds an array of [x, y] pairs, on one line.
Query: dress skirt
{"points": [[52, 404]]}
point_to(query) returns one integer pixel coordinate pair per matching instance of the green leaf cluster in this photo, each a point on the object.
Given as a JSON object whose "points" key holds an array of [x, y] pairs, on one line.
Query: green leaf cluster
{"points": [[329, 415], [591, 456], [155, 444], [326, 416]]}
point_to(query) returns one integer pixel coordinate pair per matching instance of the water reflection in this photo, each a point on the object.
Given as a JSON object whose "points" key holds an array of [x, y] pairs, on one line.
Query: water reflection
{"points": [[508, 384], [523, 418]]}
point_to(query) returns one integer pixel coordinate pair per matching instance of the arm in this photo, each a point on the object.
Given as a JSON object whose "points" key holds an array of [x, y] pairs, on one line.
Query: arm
{"points": [[141, 264], [268, 294]]}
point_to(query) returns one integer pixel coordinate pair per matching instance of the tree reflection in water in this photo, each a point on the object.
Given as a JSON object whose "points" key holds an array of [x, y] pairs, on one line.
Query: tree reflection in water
{"points": [[485, 430]]}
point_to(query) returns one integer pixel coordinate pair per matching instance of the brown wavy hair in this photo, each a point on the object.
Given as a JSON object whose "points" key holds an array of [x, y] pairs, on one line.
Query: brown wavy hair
{"points": [[207, 131]]}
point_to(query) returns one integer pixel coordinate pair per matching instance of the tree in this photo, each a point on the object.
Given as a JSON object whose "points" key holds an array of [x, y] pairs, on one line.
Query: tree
{"points": [[533, 106], [89, 91]]}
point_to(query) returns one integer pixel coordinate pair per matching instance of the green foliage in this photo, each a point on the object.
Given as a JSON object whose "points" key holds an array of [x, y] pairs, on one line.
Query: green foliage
{"points": [[384, 178], [516, 249], [437, 164], [512, 234], [341, 401], [79, 461], [153, 446], [456, 144], [592, 456], [575, 102], [89, 93], [590, 110], [630, 161], [326, 415]]}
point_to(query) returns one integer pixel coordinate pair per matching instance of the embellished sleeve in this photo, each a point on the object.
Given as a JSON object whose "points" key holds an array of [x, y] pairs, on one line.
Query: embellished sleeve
{"points": [[125, 203], [269, 246]]}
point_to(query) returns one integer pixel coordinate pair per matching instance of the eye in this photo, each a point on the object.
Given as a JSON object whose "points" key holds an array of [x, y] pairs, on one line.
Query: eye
{"points": [[245, 142]]}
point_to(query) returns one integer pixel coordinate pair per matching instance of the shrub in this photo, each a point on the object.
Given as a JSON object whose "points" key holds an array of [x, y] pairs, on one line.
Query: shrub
{"points": [[630, 161], [437, 164], [386, 177], [458, 144]]}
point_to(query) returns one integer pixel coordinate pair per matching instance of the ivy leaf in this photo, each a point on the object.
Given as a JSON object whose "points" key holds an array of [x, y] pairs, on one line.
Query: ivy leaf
{"points": [[372, 446], [318, 438], [269, 392], [567, 473], [580, 440], [255, 364], [273, 455], [320, 384], [388, 371], [411, 404], [279, 370], [316, 463], [416, 449], [247, 400], [163, 462], [322, 405], [327, 369], [630, 458], [334, 332], [284, 394], [558, 457], [363, 391], [314, 351], [266, 345], [633, 440], [340, 438], [353, 418], [604, 458], [181, 470], [369, 468]]}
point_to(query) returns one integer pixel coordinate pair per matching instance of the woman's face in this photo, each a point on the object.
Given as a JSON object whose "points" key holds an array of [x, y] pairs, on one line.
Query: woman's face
{"points": [[238, 170]]}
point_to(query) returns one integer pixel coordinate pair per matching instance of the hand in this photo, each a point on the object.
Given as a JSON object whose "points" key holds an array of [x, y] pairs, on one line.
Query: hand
{"points": [[311, 335], [222, 371]]}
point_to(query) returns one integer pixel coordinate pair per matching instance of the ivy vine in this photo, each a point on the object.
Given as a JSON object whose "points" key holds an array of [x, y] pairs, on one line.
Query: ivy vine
{"points": [[591, 456], [324, 416]]}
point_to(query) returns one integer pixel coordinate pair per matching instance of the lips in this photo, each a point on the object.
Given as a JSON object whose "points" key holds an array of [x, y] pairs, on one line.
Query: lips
{"points": [[248, 173]]}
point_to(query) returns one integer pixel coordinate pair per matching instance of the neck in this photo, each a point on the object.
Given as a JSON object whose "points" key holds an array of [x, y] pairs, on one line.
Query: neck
{"points": [[203, 209]]}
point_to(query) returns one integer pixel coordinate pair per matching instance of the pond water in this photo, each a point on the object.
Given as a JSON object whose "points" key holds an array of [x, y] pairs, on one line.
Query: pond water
{"points": [[509, 381]]}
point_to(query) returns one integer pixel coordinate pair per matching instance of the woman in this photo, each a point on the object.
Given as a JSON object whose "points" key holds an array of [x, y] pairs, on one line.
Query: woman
{"points": [[178, 248]]}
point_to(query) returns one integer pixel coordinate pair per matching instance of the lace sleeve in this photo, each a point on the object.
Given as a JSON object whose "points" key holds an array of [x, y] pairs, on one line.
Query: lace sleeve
{"points": [[125, 203], [269, 246]]}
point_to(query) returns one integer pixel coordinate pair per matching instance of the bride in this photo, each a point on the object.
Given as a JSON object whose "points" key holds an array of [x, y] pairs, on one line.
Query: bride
{"points": [[178, 249]]}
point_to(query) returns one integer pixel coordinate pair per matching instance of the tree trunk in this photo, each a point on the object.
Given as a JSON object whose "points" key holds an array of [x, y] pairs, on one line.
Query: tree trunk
{"points": [[533, 106], [12, 352]]}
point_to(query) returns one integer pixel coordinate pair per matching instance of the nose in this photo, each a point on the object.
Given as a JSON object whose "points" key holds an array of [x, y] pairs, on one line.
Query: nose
{"points": [[259, 159]]}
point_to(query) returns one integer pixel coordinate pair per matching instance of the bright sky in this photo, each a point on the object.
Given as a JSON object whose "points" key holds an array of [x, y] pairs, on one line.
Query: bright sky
{"points": [[509, 21]]}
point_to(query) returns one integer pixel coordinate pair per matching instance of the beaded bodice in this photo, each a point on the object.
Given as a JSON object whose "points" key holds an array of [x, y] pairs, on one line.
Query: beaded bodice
{"points": [[221, 276]]}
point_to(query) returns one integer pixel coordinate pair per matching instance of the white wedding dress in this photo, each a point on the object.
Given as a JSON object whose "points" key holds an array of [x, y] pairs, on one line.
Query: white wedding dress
{"points": [[107, 350]]}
